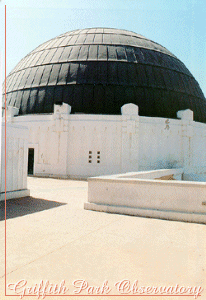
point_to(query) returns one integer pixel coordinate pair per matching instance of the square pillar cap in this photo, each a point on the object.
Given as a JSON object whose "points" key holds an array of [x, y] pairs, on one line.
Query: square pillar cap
{"points": [[63, 108], [130, 109], [11, 111], [186, 114]]}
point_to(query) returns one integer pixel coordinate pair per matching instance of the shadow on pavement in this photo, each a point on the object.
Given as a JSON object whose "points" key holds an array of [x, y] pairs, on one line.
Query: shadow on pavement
{"points": [[25, 206]]}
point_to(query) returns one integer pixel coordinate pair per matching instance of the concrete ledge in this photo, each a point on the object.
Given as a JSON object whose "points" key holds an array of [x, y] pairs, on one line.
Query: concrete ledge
{"points": [[14, 194], [148, 182], [145, 194], [153, 174], [150, 213]]}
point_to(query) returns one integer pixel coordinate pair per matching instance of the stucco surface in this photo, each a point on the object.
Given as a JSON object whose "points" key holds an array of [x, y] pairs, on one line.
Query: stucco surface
{"points": [[81, 145]]}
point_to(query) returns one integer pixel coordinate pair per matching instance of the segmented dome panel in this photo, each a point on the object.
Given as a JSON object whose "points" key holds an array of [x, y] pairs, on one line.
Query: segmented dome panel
{"points": [[98, 70]]}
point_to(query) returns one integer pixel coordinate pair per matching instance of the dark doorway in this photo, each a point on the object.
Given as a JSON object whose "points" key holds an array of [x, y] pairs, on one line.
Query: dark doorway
{"points": [[31, 161]]}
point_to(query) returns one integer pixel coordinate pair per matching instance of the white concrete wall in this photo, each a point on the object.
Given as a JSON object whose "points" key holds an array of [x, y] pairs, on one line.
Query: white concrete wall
{"points": [[94, 145], [16, 161], [199, 147], [88, 145], [160, 144], [62, 144], [167, 199]]}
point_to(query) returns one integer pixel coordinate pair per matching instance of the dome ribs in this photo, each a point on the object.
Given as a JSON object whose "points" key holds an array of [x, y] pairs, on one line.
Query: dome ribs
{"points": [[97, 70]]}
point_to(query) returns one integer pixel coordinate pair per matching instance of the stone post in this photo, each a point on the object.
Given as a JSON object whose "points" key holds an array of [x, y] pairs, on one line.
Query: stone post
{"points": [[186, 117], [60, 128], [130, 135]]}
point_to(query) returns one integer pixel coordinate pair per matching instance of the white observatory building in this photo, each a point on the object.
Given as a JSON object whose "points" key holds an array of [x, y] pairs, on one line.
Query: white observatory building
{"points": [[105, 101]]}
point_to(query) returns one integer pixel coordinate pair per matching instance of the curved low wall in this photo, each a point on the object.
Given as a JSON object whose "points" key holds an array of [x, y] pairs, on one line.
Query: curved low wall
{"points": [[146, 194]]}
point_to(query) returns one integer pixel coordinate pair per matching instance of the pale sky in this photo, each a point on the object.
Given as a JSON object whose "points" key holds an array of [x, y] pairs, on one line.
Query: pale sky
{"points": [[178, 25]]}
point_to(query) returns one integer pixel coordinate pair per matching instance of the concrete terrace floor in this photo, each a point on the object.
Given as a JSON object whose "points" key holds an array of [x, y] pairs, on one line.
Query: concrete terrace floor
{"points": [[51, 237]]}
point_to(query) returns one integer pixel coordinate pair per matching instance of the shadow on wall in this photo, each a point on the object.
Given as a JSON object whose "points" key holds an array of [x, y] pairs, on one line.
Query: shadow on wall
{"points": [[25, 206]]}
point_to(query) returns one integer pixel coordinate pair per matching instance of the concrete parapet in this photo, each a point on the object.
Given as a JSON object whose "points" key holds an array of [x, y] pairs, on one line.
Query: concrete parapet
{"points": [[150, 197]]}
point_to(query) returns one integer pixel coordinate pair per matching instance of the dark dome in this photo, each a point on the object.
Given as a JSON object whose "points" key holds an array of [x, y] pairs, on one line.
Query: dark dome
{"points": [[98, 70]]}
